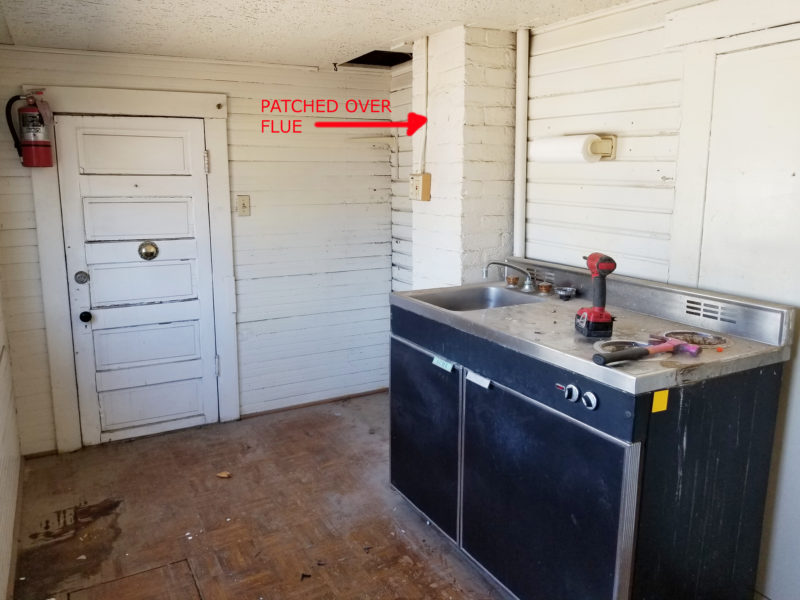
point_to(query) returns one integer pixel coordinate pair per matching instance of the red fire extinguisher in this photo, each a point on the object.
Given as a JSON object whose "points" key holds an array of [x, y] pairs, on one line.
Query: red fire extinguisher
{"points": [[33, 144]]}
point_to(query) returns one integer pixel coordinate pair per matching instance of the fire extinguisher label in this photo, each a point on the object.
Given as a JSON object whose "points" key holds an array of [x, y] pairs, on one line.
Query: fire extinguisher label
{"points": [[32, 127]]}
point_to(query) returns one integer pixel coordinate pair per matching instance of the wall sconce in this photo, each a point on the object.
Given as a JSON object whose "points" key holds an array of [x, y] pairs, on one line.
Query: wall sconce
{"points": [[574, 148]]}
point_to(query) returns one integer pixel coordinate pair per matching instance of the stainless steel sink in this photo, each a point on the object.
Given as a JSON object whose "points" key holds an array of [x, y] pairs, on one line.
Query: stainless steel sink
{"points": [[476, 298]]}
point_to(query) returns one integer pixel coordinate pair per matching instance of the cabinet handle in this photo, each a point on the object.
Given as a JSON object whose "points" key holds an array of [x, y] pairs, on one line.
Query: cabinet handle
{"points": [[480, 380]]}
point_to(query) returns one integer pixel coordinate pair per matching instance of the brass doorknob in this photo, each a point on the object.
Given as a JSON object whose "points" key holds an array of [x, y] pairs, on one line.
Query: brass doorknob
{"points": [[148, 250]]}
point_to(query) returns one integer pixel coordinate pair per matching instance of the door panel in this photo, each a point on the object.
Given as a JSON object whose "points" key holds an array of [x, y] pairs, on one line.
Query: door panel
{"points": [[133, 152], [126, 316], [101, 186], [135, 218], [117, 348], [134, 407], [130, 283], [147, 375], [120, 252], [146, 361], [753, 188]]}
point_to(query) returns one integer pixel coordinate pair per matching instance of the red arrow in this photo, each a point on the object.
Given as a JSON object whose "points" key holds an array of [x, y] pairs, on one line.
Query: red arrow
{"points": [[414, 122]]}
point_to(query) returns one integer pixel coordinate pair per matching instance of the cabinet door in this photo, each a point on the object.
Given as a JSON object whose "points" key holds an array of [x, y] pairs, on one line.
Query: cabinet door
{"points": [[542, 498], [424, 433]]}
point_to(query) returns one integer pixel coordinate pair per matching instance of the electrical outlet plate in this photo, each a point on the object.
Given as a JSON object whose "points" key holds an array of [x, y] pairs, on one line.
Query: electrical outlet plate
{"points": [[243, 206], [419, 185]]}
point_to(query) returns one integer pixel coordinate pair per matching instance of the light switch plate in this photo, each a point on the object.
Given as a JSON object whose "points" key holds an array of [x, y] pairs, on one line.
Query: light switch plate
{"points": [[419, 185], [243, 206]]}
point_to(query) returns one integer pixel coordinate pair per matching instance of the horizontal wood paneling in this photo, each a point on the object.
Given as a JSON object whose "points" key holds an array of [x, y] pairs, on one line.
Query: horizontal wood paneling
{"points": [[22, 302], [611, 74], [597, 27], [321, 212]]}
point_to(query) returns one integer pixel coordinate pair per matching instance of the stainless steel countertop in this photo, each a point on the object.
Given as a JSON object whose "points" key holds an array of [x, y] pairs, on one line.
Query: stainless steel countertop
{"points": [[546, 331]]}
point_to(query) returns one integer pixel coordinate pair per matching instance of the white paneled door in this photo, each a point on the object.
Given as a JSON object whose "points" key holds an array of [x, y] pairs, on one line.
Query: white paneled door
{"points": [[135, 211], [752, 212]]}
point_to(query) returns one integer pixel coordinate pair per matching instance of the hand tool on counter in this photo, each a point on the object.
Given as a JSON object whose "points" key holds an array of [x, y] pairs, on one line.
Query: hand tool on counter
{"points": [[596, 321], [657, 345]]}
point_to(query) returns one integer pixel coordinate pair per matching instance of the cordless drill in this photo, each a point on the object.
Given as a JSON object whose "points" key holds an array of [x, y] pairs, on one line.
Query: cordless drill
{"points": [[596, 321]]}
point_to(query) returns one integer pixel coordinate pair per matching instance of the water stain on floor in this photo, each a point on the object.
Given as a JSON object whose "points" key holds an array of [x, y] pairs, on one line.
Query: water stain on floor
{"points": [[71, 543]]}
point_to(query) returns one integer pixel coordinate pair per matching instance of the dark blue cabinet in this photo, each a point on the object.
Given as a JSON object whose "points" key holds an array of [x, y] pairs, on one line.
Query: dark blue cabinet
{"points": [[560, 502], [541, 497], [425, 433]]}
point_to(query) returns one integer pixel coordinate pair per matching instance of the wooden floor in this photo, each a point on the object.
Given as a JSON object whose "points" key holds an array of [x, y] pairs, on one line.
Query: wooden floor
{"points": [[307, 513]]}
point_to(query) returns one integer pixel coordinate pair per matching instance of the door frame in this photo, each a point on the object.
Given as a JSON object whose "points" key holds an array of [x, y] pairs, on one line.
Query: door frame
{"points": [[212, 108]]}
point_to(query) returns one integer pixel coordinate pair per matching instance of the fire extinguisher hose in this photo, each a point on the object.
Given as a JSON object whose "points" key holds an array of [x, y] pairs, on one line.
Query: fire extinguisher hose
{"points": [[10, 122]]}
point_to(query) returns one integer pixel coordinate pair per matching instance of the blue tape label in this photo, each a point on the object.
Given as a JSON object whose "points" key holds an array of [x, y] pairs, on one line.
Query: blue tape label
{"points": [[443, 364]]}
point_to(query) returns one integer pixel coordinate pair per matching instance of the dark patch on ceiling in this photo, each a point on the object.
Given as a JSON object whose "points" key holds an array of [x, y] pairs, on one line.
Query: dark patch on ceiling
{"points": [[380, 58]]}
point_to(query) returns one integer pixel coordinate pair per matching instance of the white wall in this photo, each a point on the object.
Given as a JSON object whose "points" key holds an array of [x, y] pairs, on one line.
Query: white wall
{"points": [[646, 72], [313, 265], [400, 97], [9, 464]]}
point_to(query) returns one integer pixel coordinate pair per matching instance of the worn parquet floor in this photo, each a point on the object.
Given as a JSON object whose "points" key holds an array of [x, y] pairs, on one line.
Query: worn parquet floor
{"points": [[306, 514]]}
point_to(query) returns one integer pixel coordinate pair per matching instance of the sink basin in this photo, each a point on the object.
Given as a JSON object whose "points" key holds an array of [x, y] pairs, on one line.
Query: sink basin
{"points": [[476, 298]]}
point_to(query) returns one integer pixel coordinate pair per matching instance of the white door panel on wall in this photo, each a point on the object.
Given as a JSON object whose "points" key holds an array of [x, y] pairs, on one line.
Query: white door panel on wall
{"points": [[750, 232], [130, 346], [120, 252], [138, 406], [146, 359], [129, 283], [751, 243], [119, 152]]}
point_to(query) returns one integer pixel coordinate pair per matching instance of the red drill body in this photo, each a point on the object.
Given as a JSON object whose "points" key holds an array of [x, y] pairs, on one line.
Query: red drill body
{"points": [[596, 321]]}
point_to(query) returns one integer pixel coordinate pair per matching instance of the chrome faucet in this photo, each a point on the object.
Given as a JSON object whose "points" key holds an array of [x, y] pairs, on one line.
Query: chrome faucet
{"points": [[527, 285]]}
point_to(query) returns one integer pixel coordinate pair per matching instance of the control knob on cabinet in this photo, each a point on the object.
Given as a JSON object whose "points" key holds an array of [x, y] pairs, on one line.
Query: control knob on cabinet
{"points": [[589, 400], [571, 391]]}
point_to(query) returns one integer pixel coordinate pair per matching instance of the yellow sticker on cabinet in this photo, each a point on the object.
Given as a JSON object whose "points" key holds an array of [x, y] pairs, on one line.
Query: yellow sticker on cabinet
{"points": [[660, 400]]}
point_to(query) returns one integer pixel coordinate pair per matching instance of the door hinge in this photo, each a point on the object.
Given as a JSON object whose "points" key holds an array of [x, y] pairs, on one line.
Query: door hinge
{"points": [[216, 365], [205, 162]]}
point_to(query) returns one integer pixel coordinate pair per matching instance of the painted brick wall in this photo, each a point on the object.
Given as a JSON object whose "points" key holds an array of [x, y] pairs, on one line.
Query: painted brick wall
{"points": [[469, 153], [437, 232], [488, 188]]}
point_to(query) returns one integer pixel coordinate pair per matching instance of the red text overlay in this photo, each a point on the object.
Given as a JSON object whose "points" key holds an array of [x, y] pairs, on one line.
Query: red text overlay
{"points": [[285, 107]]}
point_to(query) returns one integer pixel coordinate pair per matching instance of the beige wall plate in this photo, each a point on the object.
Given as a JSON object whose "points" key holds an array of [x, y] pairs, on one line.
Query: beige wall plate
{"points": [[420, 186]]}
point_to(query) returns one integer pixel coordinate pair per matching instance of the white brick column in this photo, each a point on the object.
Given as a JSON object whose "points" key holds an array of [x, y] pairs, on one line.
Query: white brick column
{"points": [[469, 151], [488, 190]]}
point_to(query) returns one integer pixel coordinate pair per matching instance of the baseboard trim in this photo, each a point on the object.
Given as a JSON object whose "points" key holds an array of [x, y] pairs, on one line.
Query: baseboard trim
{"points": [[315, 403]]}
